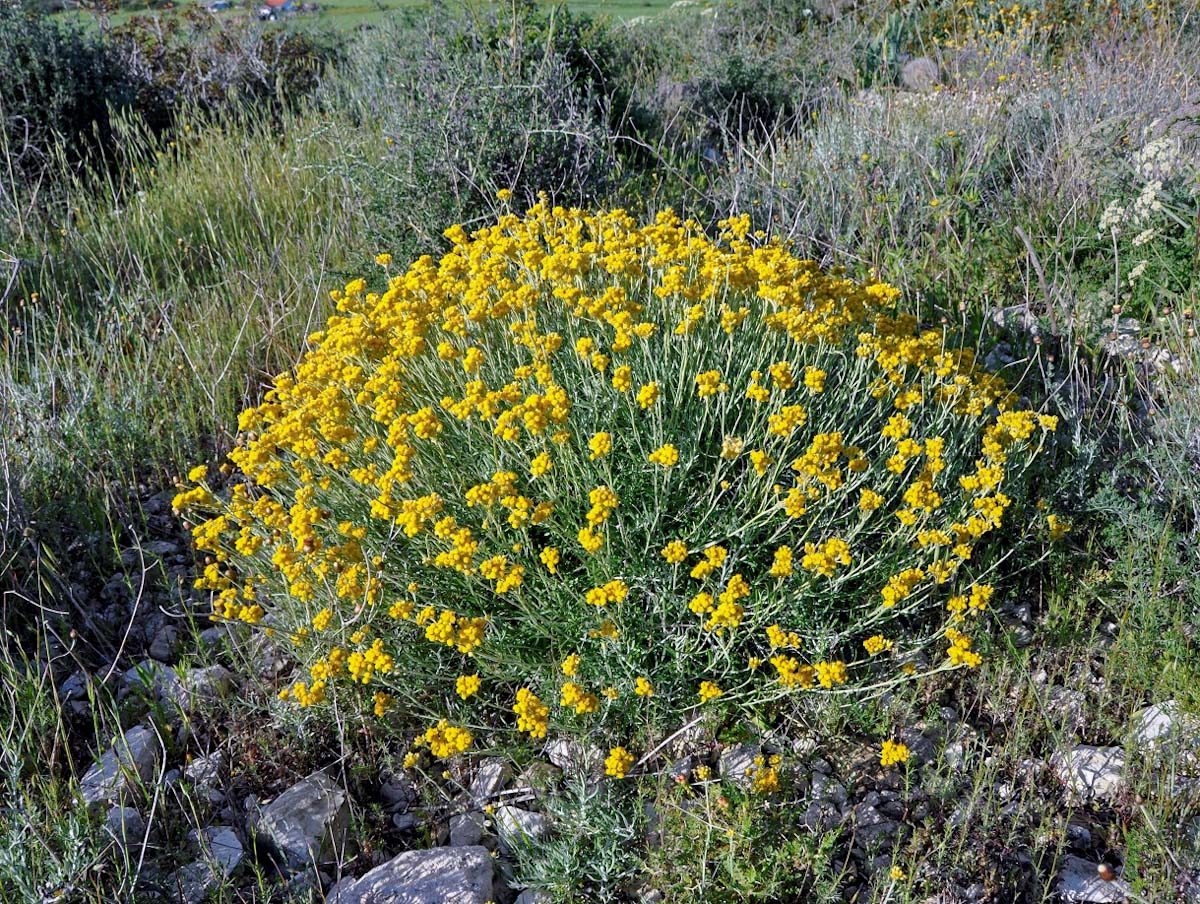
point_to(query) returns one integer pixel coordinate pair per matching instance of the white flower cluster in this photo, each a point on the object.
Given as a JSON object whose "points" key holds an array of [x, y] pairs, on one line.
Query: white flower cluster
{"points": [[1158, 160], [1156, 163]]}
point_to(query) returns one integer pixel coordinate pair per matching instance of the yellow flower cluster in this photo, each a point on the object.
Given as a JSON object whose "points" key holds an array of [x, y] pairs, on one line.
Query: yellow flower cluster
{"points": [[618, 762], [893, 753], [476, 471]]}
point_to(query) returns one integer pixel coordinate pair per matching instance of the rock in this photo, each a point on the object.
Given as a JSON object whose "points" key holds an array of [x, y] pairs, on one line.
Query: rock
{"points": [[398, 793], [466, 829], [437, 876], [1079, 881], [1090, 773], [922, 742], [575, 758], [221, 846], [1125, 339], [920, 74], [74, 688], [221, 854], [165, 643], [516, 826], [1079, 837], [308, 822], [1018, 320], [405, 822], [872, 829], [821, 816], [538, 778], [150, 677], [193, 882], [202, 685], [532, 896], [736, 764], [1163, 722], [1068, 706], [126, 825], [490, 779], [129, 762], [829, 790], [161, 548], [205, 772]]}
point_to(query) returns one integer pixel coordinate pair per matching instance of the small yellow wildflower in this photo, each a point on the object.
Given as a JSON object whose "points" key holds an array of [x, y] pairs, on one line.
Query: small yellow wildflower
{"points": [[893, 753], [666, 455], [618, 762], [466, 685], [674, 552]]}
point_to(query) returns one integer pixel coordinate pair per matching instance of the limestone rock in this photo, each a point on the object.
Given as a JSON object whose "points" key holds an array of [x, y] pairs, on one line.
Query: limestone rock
{"points": [[1090, 773], [461, 875], [736, 764], [575, 758], [165, 643], [205, 774], [129, 761], [1162, 723], [125, 825], [1079, 882], [222, 847], [308, 822], [490, 779], [516, 826], [466, 829]]}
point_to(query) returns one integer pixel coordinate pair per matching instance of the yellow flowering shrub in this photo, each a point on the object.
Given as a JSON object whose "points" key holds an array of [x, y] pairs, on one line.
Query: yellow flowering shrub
{"points": [[585, 475]]}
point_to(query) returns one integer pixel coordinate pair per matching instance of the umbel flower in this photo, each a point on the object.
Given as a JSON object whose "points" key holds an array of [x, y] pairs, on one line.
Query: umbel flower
{"points": [[582, 474]]}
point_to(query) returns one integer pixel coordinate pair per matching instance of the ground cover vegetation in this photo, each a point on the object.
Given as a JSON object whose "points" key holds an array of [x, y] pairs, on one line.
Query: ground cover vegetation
{"points": [[766, 430]]}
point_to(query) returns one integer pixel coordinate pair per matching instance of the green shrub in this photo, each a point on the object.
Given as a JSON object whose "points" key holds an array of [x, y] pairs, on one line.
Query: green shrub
{"points": [[455, 110], [58, 84], [581, 477]]}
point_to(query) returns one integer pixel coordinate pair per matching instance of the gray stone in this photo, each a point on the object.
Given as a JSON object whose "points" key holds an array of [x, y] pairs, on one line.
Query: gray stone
{"points": [[193, 882], [205, 772], [405, 822], [1079, 882], [222, 847], [873, 829], [736, 764], [220, 854], [538, 778], [74, 688], [1090, 773], [829, 790], [1079, 837], [575, 758], [165, 643], [490, 779], [150, 677], [203, 685], [1162, 723], [920, 74], [129, 762], [466, 829], [307, 823], [516, 826], [436, 876], [398, 793], [161, 548], [126, 825]]}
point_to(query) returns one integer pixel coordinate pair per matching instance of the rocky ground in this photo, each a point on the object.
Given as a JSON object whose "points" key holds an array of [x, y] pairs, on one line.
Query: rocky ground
{"points": [[184, 796]]}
